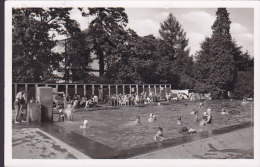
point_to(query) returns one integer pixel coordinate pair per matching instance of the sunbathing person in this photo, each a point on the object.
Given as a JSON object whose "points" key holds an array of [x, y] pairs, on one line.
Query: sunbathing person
{"points": [[136, 99], [83, 100], [159, 134]]}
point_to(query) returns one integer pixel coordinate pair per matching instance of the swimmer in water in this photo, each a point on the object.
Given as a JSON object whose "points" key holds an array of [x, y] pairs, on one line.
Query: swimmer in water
{"points": [[178, 121], [159, 134], [85, 123], [152, 118]]}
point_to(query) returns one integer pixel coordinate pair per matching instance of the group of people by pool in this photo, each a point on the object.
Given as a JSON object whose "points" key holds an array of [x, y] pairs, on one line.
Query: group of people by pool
{"points": [[133, 99]]}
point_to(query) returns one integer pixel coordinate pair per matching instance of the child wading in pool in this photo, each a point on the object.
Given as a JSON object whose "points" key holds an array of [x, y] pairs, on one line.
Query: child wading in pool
{"points": [[85, 124], [159, 134], [178, 121], [196, 115], [152, 118], [135, 122], [207, 117]]}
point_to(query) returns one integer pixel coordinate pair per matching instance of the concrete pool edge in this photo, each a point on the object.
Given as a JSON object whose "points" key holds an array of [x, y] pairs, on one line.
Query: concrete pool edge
{"points": [[98, 150], [189, 150]]}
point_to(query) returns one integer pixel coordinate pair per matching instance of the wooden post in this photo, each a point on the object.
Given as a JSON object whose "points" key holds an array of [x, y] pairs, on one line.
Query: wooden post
{"points": [[123, 89], [109, 93], [15, 89], [85, 92], [93, 89], [66, 90], [76, 89]]}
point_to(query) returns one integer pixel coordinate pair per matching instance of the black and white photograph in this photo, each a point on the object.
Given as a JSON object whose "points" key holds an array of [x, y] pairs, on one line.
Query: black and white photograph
{"points": [[92, 81]]}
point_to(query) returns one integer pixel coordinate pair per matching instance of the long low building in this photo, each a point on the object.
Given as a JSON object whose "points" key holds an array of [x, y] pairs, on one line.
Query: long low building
{"points": [[87, 90]]}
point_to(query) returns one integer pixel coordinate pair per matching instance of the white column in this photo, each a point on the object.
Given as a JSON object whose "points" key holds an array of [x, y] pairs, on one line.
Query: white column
{"points": [[160, 88], [116, 89], [143, 88], [66, 90], [15, 89], [76, 89], [36, 86], [154, 89], [93, 89], [123, 89], [149, 87], [130, 87], [137, 89], [109, 93], [26, 87], [85, 92]]}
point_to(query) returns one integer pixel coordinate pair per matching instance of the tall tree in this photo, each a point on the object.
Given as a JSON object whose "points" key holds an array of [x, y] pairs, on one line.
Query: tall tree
{"points": [[202, 67], [107, 25], [244, 78], [33, 60], [173, 48], [215, 65], [77, 59], [222, 71], [173, 37]]}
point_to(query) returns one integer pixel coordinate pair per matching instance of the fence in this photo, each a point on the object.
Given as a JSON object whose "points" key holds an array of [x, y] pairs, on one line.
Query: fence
{"points": [[87, 90]]}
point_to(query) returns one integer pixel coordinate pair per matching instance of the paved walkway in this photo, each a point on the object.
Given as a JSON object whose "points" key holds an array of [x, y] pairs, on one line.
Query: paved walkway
{"points": [[234, 145], [33, 143]]}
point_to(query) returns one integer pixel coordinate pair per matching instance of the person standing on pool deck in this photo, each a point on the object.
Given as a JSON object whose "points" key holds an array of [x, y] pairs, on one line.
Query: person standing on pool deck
{"points": [[19, 103]]}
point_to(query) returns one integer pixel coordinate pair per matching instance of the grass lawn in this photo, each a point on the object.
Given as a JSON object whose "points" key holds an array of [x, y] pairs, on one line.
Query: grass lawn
{"points": [[109, 126]]}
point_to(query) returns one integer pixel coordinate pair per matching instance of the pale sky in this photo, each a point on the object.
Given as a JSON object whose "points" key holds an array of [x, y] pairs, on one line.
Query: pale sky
{"points": [[196, 22]]}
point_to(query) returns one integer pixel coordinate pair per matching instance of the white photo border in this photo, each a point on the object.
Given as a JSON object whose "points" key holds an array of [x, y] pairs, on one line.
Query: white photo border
{"points": [[127, 162]]}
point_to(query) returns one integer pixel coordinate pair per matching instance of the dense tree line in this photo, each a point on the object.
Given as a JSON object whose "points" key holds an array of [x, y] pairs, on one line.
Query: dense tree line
{"points": [[125, 57], [220, 64]]}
